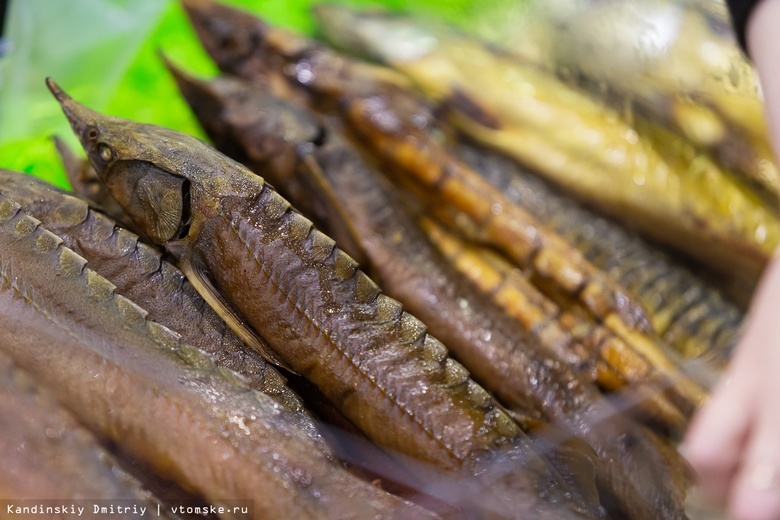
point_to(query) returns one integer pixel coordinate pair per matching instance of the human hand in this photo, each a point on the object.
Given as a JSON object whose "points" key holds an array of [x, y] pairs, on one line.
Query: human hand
{"points": [[734, 442]]}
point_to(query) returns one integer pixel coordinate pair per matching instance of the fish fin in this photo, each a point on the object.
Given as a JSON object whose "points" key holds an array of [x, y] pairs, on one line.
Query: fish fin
{"points": [[574, 459], [340, 225], [200, 280]]}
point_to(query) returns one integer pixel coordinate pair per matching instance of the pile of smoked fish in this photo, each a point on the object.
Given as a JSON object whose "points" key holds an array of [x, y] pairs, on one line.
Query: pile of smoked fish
{"points": [[427, 279]]}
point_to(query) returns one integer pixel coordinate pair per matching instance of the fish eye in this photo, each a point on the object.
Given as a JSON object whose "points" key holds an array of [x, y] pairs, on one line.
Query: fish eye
{"points": [[105, 152]]}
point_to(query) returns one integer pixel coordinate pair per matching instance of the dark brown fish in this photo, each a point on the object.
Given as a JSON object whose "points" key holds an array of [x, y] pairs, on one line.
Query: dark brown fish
{"points": [[256, 128], [498, 351], [636, 172], [394, 123], [165, 402], [250, 48], [49, 455], [143, 276], [264, 265]]}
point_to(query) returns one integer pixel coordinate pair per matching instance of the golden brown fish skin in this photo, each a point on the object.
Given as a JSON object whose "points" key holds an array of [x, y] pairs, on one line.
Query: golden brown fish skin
{"points": [[393, 122], [324, 317], [669, 291], [698, 208], [518, 370], [617, 367], [48, 454], [136, 383], [143, 276], [399, 256], [353, 88]]}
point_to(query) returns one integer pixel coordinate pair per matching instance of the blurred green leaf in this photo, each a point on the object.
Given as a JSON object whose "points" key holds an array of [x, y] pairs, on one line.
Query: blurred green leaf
{"points": [[114, 66]]}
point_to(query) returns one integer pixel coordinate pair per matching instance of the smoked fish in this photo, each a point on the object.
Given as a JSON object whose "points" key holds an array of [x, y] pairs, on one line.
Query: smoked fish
{"points": [[394, 122], [687, 312], [531, 382], [263, 265], [581, 145], [163, 401], [49, 455], [351, 89], [381, 225], [141, 274]]}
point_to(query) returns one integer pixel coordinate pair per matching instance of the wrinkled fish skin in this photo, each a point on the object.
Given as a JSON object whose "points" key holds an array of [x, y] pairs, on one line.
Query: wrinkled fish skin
{"points": [[321, 315], [135, 382], [672, 294], [349, 87], [394, 122], [399, 256], [579, 144], [141, 275], [547, 386], [48, 454], [617, 367]]}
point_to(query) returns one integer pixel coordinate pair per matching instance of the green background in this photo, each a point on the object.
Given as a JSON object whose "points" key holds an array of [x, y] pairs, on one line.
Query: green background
{"points": [[104, 54]]}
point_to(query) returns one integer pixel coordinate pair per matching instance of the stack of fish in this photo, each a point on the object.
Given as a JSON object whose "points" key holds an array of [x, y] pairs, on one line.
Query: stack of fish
{"points": [[430, 315]]}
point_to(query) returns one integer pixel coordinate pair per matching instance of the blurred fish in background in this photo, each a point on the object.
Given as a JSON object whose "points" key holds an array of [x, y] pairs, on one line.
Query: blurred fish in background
{"points": [[675, 60]]}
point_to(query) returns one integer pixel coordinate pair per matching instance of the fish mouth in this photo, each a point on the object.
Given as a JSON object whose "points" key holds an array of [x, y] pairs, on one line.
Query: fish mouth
{"points": [[81, 118]]}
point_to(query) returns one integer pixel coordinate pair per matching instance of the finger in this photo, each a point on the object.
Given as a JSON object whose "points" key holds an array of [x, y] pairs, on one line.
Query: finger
{"points": [[717, 436], [756, 492]]}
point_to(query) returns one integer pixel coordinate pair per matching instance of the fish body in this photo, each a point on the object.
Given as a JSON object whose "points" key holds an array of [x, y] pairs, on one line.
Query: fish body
{"points": [[546, 387], [396, 251], [48, 454], [351, 89], [398, 128], [141, 274], [672, 294], [165, 402], [244, 246], [579, 144]]}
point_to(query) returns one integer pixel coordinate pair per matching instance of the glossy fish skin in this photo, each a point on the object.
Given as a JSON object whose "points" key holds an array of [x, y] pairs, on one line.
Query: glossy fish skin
{"points": [[141, 275], [713, 100], [350, 87], [527, 113], [416, 272], [163, 401], [618, 366], [394, 123], [672, 294], [399, 256], [322, 316], [48, 454]]}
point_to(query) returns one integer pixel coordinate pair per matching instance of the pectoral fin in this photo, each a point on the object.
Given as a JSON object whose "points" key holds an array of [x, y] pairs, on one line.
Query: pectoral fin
{"points": [[200, 280]]}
